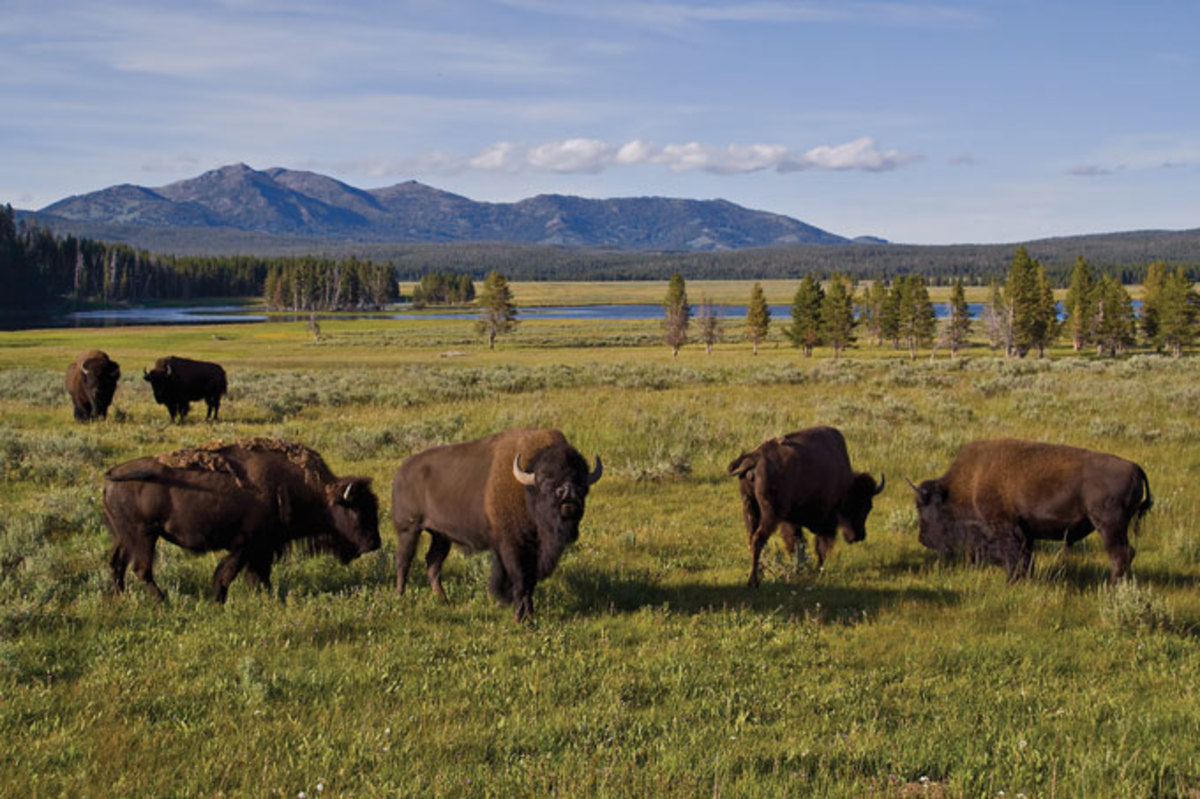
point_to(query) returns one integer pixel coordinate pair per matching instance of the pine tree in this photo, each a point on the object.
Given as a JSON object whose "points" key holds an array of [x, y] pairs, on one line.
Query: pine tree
{"points": [[497, 311], [837, 314], [805, 330], [1023, 298], [959, 326], [1045, 329], [758, 316], [1079, 305], [678, 314], [873, 299], [995, 318], [1177, 310], [918, 320], [711, 326], [889, 314], [1152, 290], [1115, 321]]}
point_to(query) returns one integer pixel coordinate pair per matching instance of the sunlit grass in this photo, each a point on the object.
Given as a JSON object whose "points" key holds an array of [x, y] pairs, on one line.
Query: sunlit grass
{"points": [[651, 668]]}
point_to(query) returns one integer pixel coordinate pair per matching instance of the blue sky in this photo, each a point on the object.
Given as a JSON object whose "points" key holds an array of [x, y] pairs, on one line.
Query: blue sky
{"points": [[918, 122]]}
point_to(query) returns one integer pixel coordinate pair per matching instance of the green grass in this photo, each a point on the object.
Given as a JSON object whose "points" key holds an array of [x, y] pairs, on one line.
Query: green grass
{"points": [[651, 667]]}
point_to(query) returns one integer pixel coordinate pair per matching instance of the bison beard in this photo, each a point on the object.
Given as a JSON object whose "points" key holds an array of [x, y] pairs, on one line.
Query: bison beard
{"points": [[519, 494], [255, 498]]}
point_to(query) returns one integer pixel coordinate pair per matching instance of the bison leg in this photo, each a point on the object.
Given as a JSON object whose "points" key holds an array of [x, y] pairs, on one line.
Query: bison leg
{"points": [[1113, 529], [407, 535], [182, 409], [521, 568], [226, 571], [439, 548], [258, 571], [214, 408], [499, 585], [143, 567], [823, 545], [758, 540], [119, 561]]}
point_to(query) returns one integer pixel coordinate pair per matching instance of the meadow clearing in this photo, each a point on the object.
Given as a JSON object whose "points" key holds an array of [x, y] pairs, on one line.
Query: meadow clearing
{"points": [[651, 668]]}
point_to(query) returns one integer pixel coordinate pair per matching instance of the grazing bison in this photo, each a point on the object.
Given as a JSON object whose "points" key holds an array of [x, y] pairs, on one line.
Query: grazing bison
{"points": [[177, 382], [799, 480], [999, 496], [254, 498], [518, 494], [91, 382]]}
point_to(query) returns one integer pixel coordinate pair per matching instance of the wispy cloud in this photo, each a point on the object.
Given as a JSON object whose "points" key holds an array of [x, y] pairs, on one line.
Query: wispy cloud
{"points": [[592, 156]]}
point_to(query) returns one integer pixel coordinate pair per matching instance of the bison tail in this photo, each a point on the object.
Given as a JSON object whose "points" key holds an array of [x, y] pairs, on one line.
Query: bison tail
{"points": [[1147, 502], [742, 464]]}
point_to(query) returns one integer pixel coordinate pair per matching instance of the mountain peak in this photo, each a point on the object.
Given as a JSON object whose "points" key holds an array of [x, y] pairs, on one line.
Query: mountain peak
{"points": [[283, 201]]}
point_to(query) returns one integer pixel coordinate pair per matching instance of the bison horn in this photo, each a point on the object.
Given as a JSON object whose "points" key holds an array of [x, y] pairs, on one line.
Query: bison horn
{"points": [[346, 494], [83, 369], [599, 470], [168, 370], [523, 477], [882, 483]]}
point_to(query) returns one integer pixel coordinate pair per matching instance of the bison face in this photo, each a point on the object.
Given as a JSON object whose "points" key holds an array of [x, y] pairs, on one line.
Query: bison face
{"points": [[938, 530], [857, 505], [159, 380], [99, 377], [355, 513], [556, 490]]}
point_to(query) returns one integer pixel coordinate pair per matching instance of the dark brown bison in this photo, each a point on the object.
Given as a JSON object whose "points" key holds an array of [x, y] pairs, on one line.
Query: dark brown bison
{"points": [[1000, 496], [177, 382], [254, 498], [799, 480], [518, 494], [91, 382]]}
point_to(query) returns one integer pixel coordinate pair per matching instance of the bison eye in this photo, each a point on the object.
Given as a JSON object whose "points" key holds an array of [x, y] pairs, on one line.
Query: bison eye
{"points": [[561, 492]]}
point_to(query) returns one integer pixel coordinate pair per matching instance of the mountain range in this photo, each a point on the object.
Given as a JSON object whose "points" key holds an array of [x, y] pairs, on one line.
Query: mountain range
{"points": [[306, 204]]}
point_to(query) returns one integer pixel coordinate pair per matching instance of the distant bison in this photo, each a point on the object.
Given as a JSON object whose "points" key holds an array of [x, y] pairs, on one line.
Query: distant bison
{"points": [[254, 498], [518, 494], [999, 496], [799, 480], [91, 382], [177, 382]]}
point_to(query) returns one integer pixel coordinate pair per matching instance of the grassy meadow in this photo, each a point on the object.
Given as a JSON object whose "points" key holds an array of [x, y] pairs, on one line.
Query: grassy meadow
{"points": [[651, 668]]}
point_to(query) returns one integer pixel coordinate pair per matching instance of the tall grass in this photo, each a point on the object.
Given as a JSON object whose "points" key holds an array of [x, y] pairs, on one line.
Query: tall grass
{"points": [[651, 668]]}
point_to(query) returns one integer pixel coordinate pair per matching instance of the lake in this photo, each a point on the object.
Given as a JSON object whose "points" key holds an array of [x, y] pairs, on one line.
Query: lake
{"points": [[227, 314]]}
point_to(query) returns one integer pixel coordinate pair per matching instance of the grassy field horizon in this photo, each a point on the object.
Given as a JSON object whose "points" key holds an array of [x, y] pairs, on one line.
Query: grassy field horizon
{"points": [[652, 667]]}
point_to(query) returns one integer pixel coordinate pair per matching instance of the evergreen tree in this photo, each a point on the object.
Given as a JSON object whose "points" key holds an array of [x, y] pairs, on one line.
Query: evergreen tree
{"points": [[918, 320], [758, 316], [678, 314], [959, 326], [1114, 320], [711, 326], [995, 318], [1045, 328], [805, 330], [873, 300], [1152, 291], [1079, 305], [1177, 311], [1023, 297], [837, 314], [497, 311], [889, 315]]}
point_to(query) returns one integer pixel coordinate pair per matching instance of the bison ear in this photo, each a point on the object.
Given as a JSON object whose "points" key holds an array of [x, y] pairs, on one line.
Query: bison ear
{"points": [[523, 477]]}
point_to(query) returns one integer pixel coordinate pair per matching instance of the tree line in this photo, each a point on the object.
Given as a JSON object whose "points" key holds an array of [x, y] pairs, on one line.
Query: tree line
{"points": [[40, 270], [1020, 316]]}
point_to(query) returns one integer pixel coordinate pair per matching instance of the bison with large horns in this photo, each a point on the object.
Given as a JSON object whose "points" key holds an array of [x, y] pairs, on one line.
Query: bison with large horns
{"points": [[518, 494], [803, 479], [255, 498], [178, 382], [999, 496], [91, 382]]}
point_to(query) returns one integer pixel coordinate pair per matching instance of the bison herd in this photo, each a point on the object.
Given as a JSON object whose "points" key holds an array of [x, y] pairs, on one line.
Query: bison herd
{"points": [[520, 495]]}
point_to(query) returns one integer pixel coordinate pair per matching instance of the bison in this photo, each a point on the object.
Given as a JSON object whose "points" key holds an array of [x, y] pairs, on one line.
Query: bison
{"points": [[518, 494], [255, 498], [999, 496], [799, 480], [177, 382], [91, 382]]}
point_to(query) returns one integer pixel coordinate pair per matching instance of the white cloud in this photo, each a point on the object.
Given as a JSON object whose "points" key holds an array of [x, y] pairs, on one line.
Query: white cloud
{"points": [[591, 156]]}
